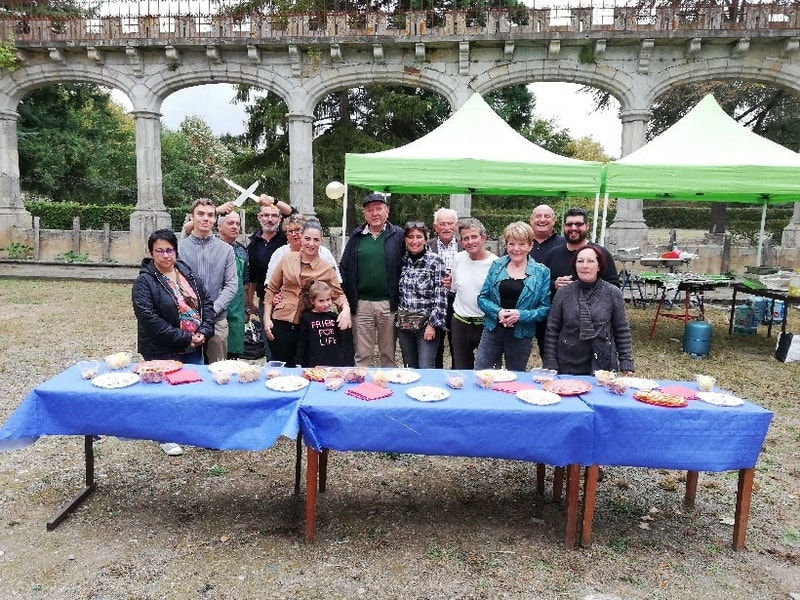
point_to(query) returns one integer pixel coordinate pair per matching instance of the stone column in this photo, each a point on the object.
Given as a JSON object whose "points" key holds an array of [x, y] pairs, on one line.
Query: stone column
{"points": [[12, 211], [462, 204], [629, 229], [301, 163], [150, 213], [791, 233]]}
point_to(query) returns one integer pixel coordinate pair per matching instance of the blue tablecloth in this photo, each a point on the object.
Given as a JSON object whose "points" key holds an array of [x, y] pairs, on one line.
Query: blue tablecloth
{"points": [[471, 422], [699, 437], [226, 417]]}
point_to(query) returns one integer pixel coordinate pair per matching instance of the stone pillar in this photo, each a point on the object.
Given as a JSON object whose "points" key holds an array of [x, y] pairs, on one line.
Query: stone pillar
{"points": [[462, 204], [791, 233], [150, 213], [301, 163], [12, 211], [629, 229]]}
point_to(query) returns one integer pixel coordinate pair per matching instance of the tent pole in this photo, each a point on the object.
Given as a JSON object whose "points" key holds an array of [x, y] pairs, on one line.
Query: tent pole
{"points": [[344, 218], [594, 220], [761, 233], [605, 215]]}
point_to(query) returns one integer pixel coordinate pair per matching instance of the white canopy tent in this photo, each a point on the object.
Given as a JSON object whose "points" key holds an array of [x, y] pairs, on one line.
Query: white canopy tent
{"points": [[474, 151], [707, 156]]}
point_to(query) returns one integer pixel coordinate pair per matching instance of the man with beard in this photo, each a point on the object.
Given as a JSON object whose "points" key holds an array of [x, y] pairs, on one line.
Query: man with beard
{"points": [[561, 258], [263, 243]]}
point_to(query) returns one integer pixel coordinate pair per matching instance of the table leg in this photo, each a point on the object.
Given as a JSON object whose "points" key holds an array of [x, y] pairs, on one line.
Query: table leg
{"points": [[88, 451], [323, 470], [771, 315], [589, 496], [744, 494], [733, 308], [312, 472], [573, 484], [691, 488], [540, 472], [298, 462], [658, 311], [558, 482]]}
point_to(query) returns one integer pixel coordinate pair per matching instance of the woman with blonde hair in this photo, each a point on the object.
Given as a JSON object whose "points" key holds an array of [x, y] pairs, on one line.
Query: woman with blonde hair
{"points": [[514, 297]]}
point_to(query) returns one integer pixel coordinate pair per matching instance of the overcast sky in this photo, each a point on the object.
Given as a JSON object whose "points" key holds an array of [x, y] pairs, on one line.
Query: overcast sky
{"points": [[561, 101]]}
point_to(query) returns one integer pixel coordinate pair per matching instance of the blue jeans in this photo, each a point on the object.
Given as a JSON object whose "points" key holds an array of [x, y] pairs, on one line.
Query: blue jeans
{"points": [[417, 352], [501, 342]]}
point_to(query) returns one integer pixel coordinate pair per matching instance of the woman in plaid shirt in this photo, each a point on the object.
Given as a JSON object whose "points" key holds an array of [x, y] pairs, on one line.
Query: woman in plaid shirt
{"points": [[421, 291]]}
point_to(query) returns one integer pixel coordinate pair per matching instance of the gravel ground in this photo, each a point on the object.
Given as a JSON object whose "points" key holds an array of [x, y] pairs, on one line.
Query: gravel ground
{"points": [[214, 525]]}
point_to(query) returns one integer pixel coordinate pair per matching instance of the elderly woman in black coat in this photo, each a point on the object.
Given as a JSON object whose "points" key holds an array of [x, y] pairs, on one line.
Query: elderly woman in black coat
{"points": [[587, 329], [174, 313]]}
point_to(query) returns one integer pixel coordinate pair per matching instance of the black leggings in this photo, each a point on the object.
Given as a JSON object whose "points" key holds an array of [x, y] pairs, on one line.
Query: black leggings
{"points": [[284, 346]]}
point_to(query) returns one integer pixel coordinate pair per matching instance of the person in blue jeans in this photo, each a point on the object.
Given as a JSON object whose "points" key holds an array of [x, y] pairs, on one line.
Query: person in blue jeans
{"points": [[421, 292], [514, 297]]}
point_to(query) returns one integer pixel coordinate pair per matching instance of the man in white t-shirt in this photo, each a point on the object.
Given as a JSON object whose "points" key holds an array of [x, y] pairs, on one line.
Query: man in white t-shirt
{"points": [[466, 280]]}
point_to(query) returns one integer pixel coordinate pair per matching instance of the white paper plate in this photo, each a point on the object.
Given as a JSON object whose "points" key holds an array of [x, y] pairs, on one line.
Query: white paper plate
{"points": [[287, 383], [501, 375], [719, 399], [427, 393], [402, 376], [637, 383], [112, 381], [230, 367], [538, 397]]}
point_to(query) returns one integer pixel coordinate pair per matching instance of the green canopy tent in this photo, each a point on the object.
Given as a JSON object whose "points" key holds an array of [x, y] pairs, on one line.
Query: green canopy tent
{"points": [[473, 152], [707, 156]]}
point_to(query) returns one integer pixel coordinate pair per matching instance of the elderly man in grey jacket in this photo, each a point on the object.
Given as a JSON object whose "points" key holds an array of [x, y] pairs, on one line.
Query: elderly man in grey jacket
{"points": [[214, 264]]}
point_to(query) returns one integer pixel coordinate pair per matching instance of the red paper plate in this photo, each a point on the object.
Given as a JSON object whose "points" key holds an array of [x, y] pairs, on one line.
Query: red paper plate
{"points": [[567, 387]]}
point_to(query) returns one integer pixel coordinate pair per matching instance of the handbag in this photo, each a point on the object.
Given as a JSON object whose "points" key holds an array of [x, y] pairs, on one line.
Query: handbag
{"points": [[409, 320]]}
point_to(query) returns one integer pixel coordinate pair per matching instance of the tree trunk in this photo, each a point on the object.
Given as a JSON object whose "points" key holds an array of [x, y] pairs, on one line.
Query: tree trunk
{"points": [[719, 216]]}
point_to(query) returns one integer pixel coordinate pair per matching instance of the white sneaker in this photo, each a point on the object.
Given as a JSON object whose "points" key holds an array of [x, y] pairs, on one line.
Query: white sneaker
{"points": [[171, 449]]}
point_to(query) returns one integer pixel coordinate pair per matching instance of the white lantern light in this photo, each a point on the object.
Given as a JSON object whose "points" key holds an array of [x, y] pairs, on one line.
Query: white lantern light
{"points": [[334, 190]]}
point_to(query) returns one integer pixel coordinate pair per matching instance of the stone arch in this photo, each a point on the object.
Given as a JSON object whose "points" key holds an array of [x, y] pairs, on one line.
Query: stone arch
{"points": [[25, 81], [351, 77], [616, 82], [164, 85], [787, 78]]}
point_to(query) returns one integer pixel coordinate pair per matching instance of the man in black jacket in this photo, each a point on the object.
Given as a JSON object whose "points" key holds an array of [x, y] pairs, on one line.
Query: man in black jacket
{"points": [[370, 268]]}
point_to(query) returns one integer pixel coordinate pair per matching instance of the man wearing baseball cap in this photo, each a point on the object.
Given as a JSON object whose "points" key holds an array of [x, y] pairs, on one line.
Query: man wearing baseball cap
{"points": [[370, 268]]}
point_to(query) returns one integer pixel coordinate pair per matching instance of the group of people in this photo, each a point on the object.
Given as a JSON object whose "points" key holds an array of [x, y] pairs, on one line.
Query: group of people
{"points": [[393, 284]]}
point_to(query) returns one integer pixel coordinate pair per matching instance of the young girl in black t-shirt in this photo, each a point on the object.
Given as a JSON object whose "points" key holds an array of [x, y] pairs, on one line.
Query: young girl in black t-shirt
{"points": [[320, 342]]}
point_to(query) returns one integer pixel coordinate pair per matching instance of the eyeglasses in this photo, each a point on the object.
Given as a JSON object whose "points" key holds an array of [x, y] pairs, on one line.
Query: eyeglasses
{"points": [[164, 251], [268, 216], [574, 224], [415, 225], [293, 232]]}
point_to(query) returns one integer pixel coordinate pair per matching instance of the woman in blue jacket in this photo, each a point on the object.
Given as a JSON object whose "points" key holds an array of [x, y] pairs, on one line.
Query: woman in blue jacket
{"points": [[514, 297]]}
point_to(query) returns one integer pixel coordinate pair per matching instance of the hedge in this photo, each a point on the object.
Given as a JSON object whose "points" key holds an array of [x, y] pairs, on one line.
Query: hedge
{"points": [[743, 220]]}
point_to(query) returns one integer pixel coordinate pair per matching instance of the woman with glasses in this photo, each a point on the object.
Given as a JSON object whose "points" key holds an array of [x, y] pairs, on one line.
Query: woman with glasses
{"points": [[282, 298], [174, 314], [422, 308], [514, 297]]}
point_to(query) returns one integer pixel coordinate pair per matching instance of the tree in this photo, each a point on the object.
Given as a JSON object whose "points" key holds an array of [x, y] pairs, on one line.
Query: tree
{"points": [[75, 144]]}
